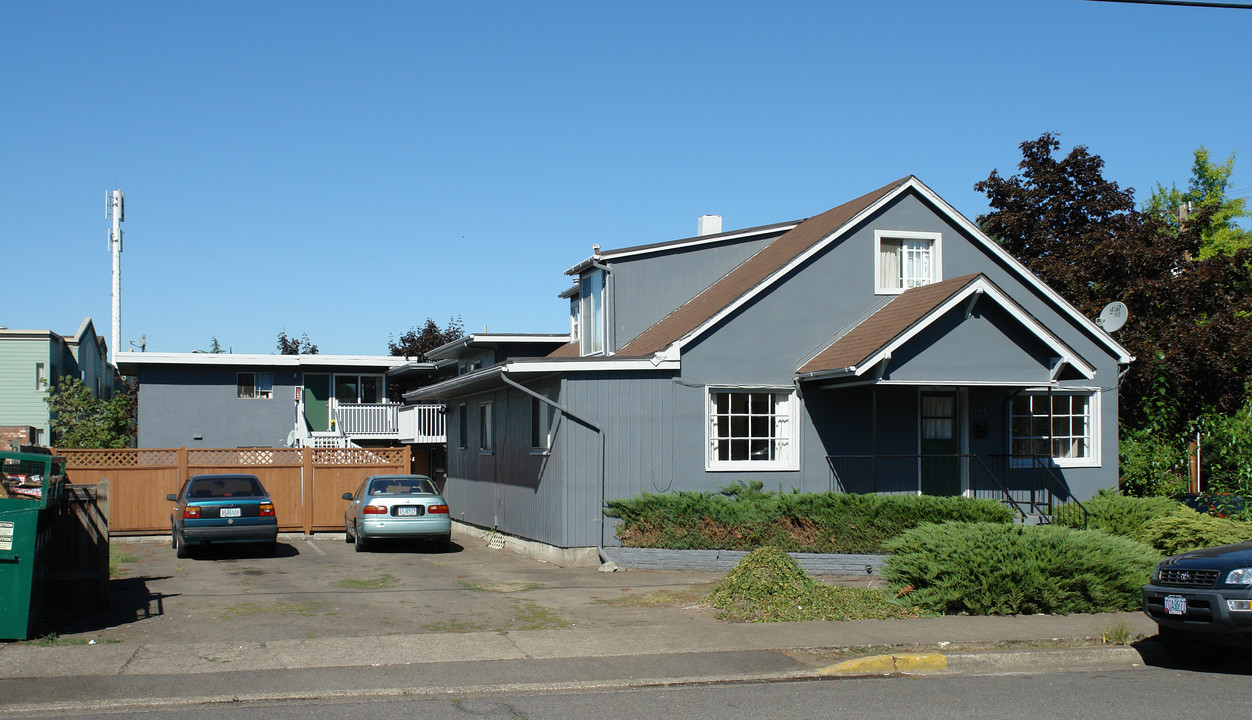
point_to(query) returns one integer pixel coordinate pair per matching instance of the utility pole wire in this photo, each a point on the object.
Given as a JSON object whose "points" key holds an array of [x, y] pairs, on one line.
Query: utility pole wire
{"points": [[1184, 3]]}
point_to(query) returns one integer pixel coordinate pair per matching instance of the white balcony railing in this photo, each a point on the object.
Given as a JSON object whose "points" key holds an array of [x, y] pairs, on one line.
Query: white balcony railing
{"points": [[423, 424], [367, 420]]}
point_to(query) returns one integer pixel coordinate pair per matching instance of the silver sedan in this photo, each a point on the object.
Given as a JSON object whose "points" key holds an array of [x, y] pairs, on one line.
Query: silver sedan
{"points": [[399, 507]]}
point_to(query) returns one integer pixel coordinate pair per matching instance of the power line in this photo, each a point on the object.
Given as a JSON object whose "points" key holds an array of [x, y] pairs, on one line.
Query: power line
{"points": [[1184, 3]]}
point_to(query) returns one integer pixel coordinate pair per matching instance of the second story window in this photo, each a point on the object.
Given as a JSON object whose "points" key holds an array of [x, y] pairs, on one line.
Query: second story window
{"points": [[591, 313], [904, 260], [485, 429], [255, 385]]}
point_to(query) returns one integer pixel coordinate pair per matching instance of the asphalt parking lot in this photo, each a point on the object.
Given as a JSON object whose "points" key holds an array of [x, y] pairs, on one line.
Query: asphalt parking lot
{"points": [[320, 586]]}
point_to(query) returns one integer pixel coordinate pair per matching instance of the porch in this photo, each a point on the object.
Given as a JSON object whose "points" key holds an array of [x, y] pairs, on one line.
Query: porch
{"points": [[1031, 485], [375, 422]]}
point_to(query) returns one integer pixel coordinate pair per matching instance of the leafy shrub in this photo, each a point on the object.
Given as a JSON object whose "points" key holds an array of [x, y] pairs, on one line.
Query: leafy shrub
{"points": [[993, 569], [1192, 530], [1119, 514], [744, 518], [769, 586], [1152, 465]]}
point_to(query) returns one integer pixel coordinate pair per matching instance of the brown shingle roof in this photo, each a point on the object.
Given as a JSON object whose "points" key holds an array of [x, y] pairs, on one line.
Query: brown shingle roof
{"points": [[747, 276], [878, 330]]}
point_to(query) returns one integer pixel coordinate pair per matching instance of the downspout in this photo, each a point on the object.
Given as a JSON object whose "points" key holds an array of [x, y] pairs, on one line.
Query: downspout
{"points": [[569, 413]]}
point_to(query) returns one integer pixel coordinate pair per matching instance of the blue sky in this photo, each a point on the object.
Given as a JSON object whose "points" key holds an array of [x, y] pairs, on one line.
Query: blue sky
{"points": [[346, 170]]}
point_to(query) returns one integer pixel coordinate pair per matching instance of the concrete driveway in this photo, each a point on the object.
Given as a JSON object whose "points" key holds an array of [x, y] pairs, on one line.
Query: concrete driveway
{"points": [[319, 586]]}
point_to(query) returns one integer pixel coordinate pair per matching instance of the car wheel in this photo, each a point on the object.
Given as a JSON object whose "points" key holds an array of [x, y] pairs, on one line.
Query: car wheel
{"points": [[347, 533], [181, 550], [360, 542]]}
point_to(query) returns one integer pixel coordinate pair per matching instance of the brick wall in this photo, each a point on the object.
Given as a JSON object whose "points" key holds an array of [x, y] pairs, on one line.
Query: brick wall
{"points": [[13, 437]]}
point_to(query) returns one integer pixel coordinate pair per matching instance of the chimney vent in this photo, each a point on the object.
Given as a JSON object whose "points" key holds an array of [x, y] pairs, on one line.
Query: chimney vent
{"points": [[708, 225]]}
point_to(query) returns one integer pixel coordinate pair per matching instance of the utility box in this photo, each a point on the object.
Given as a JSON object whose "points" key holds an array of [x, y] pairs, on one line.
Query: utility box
{"points": [[30, 483]]}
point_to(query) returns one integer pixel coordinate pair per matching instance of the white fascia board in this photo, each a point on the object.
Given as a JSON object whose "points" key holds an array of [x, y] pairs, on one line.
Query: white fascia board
{"points": [[982, 285], [816, 248], [1123, 355], [147, 358], [680, 245], [595, 364], [440, 389]]}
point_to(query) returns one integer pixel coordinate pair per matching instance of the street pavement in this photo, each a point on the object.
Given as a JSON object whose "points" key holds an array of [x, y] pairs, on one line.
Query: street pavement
{"points": [[320, 621]]}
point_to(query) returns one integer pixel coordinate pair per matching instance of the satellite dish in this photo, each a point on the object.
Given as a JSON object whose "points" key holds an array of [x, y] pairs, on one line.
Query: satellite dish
{"points": [[1113, 316], [291, 438]]}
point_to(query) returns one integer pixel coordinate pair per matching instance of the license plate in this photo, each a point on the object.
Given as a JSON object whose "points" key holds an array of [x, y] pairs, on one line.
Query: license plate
{"points": [[1175, 604], [406, 511], [231, 512]]}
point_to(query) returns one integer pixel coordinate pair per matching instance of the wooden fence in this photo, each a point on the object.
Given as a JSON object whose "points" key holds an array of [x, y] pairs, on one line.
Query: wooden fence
{"points": [[306, 484]]}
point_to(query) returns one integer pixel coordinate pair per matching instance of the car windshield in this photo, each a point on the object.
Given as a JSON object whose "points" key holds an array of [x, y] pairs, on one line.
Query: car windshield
{"points": [[225, 487], [401, 486]]}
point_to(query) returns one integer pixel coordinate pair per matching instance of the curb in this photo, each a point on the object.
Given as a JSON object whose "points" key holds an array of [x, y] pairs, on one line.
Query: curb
{"points": [[1005, 662]]}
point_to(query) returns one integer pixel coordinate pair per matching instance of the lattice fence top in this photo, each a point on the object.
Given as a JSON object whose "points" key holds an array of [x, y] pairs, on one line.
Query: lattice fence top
{"points": [[358, 456], [118, 458], [219, 457], [244, 456]]}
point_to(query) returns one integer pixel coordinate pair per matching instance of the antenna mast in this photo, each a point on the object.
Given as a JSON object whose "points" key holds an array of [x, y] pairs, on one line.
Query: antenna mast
{"points": [[115, 209]]}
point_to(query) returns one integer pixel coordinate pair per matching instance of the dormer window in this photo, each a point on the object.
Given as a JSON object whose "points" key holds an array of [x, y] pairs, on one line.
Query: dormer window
{"points": [[591, 313], [904, 260]]}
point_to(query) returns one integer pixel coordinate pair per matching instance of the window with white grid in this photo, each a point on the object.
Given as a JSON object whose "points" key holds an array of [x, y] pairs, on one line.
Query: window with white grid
{"points": [[1060, 426], [904, 260], [751, 429]]}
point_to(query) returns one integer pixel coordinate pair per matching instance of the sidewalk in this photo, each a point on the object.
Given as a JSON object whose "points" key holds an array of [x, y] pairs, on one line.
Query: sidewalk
{"points": [[606, 645]]}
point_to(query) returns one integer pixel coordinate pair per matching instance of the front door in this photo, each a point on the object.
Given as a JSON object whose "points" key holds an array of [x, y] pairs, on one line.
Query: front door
{"points": [[940, 444], [317, 401]]}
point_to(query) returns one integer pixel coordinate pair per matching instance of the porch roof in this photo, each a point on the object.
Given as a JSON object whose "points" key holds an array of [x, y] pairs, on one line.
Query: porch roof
{"points": [[869, 344]]}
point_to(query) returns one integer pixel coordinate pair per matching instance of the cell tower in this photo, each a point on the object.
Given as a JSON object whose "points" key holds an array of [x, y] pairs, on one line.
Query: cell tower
{"points": [[115, 210]]}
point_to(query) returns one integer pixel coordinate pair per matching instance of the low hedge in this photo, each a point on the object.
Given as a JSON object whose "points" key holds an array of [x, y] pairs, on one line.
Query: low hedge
{"points": [[743, 518], [997, 569], [1163, 523]]}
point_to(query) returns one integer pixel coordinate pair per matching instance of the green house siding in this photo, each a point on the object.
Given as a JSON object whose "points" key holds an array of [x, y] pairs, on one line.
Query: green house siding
{"points": [[21, 402]]}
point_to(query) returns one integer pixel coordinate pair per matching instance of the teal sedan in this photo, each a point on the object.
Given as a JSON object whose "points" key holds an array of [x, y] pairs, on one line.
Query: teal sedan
{"points": [[396, 507], [212, 509]]}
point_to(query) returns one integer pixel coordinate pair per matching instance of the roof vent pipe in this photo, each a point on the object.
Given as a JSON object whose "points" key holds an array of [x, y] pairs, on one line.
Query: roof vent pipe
{"points": [[708, 225]]}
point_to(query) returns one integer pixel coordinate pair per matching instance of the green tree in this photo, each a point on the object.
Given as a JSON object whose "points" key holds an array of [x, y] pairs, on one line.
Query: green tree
{"points": [[415, 343], [1206, 203], [1190, 320], [215, 347], [292, 346], [82, 420]]}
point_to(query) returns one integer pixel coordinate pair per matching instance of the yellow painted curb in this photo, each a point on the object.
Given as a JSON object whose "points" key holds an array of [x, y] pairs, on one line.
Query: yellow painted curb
{"points": [[888, 664]]}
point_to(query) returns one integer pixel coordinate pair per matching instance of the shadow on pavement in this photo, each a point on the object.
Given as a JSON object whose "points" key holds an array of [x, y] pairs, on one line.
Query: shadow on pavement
{"points": [[130, 600]]}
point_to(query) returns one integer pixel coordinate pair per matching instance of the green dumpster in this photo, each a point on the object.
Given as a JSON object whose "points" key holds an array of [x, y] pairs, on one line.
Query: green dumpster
{"points": [[29, 484]]}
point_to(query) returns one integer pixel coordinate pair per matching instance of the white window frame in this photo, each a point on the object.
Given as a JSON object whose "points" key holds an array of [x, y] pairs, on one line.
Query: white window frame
{"points": [[591, 313], [41, 376], [541, 416], [486, 436], [1091, 439], [936, 260], [257, 393], [785, 433]]}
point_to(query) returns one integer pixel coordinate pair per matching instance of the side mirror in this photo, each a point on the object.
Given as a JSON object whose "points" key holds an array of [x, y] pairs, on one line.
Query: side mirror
{"points": [[347, 496], [172, 497]]}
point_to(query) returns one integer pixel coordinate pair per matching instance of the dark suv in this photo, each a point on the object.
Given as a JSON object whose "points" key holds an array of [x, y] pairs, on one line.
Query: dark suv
{"points": [[1202, 599]]}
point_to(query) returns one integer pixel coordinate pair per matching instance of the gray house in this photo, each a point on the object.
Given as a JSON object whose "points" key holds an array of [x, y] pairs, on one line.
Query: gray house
{"points": [[227, 400], [886, 345]]}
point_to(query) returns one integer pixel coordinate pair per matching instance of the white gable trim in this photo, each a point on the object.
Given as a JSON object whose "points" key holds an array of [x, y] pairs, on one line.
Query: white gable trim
{"points": [[1123, 356], [983, 286]]}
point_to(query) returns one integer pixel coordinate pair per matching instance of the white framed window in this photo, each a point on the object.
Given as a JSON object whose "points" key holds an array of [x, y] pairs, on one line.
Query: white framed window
{"points": [[41, 376], [364, 389], [906, 259], [573, 318], [541, 414], [485, 435], [255, 386], [591, 313], [752, 429], [1061, 426]]}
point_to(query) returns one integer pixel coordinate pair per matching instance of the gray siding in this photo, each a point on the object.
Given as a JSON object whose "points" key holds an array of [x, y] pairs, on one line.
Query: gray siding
{"points": [[176, 404], [646, 288]]}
